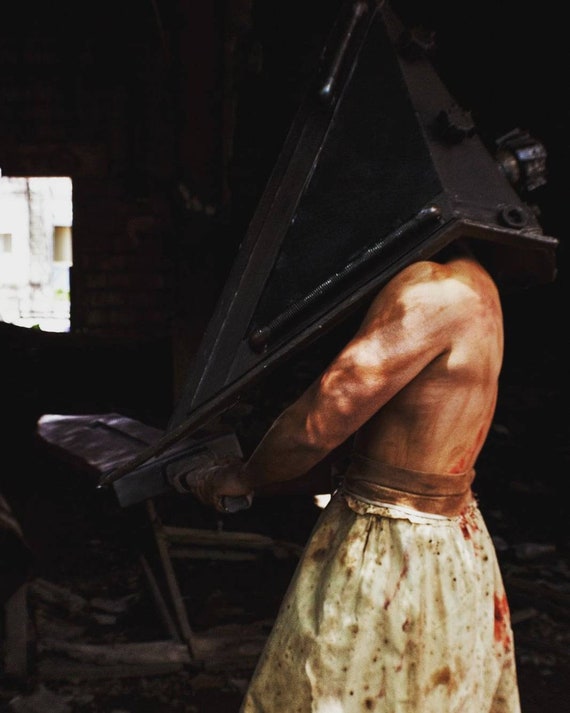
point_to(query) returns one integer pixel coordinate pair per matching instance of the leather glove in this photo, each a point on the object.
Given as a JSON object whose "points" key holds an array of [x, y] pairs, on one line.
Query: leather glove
{"points": [[213, 481]]}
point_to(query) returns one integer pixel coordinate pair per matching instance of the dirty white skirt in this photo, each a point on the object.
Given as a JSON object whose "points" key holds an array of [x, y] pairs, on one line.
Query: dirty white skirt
{"points": [[390, 611]]}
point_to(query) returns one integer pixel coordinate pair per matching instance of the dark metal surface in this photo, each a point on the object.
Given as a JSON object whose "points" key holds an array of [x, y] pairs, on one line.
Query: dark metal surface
{"points": [[99, 444], [95, 443]]}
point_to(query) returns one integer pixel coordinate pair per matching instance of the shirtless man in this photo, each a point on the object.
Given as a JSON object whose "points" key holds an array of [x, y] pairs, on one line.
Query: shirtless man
{"points": [[397, 604]]}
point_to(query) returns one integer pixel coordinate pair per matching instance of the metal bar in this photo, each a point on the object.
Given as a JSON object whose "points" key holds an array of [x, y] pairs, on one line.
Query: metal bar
{"points": [[261, 336]]}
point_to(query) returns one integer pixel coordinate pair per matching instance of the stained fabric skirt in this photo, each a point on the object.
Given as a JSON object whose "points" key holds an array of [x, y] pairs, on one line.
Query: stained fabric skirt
{"points": [[390, 611]]}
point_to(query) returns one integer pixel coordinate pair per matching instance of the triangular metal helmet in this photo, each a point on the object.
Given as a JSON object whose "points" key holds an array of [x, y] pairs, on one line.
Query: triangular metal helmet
{"points": [[380, 168]]}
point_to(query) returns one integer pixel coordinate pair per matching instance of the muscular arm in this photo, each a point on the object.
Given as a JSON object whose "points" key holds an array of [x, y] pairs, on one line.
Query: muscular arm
{"points": [[413, 320], [402, 333]]}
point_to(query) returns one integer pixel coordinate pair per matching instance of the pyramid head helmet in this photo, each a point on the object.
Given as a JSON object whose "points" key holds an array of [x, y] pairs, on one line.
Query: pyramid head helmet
{"points": [[380, 168]]}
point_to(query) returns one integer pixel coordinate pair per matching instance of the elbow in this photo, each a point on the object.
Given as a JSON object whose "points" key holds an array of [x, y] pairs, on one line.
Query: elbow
{"points": [[303, 434], [322, 438]]}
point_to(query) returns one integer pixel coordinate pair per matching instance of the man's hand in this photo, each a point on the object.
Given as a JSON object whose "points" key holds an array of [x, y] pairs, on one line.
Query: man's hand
{"points": [[214, 483]]}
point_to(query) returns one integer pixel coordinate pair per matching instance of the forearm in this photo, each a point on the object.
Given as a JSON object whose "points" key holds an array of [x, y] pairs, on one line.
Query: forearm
{"points": [[289, 449], [286, 452]]}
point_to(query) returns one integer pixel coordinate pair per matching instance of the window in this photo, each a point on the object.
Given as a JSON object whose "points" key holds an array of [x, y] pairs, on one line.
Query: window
{"points": [[35, 251]]}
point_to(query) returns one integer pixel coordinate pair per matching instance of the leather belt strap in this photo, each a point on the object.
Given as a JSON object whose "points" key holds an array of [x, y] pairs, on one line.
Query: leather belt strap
{"points": [[445, 494]]}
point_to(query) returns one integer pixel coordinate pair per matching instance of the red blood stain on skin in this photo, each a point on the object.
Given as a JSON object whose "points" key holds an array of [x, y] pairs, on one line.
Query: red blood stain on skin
{"points": [[459, 467], [502, 630], [465, 461], [483, 432]]}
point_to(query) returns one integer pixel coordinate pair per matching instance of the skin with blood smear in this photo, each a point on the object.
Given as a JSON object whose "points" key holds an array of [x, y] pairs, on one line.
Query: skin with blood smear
{"points": [[417, 384]]}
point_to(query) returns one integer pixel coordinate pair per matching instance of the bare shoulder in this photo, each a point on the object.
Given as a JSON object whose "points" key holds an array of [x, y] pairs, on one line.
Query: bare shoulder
{"points": [[427, 284], [429, 303]]}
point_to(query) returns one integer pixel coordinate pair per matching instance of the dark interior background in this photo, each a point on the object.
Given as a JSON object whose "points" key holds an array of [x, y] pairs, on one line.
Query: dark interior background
{"points": [[169, 115]]}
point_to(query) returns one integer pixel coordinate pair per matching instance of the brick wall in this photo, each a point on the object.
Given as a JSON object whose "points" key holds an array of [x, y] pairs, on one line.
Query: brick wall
{"points": [[96, 94]]}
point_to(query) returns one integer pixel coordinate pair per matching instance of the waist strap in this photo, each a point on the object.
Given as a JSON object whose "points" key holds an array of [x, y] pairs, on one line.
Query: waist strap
{"points": [[437, 493]]}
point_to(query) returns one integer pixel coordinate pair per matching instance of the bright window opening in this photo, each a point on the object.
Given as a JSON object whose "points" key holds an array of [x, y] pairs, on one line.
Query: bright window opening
{"points": [[36, 219]]}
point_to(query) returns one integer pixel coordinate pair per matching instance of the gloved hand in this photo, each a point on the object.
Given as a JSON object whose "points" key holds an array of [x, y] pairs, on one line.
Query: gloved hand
{"points": [[215, 482]]}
